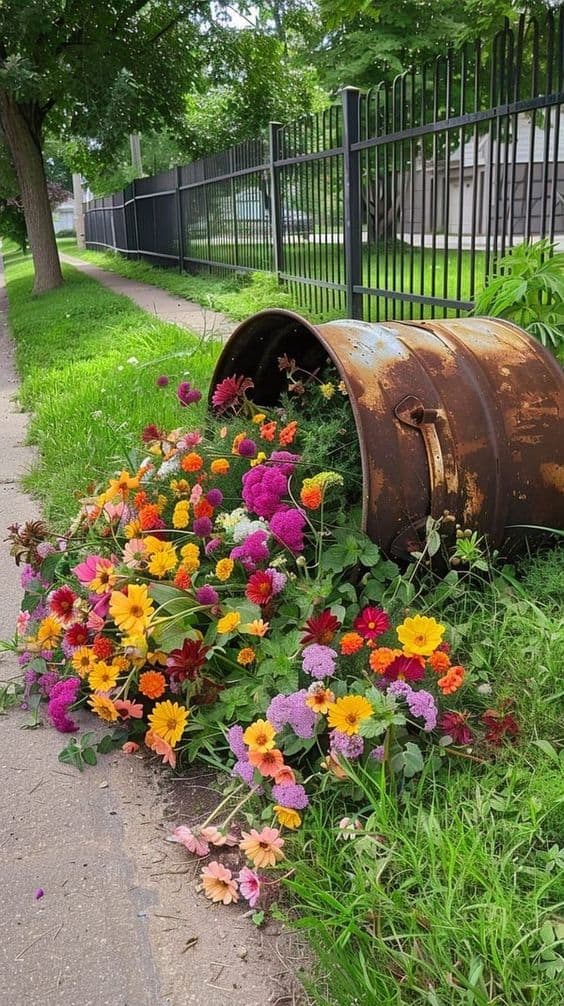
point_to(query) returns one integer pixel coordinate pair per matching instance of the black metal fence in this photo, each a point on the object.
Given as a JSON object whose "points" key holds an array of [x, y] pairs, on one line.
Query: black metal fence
{"points": [[391, 204]]}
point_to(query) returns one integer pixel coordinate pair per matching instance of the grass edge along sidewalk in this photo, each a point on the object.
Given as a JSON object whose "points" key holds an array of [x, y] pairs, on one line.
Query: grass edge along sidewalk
{"points": [[453, 895], [89, 361]]}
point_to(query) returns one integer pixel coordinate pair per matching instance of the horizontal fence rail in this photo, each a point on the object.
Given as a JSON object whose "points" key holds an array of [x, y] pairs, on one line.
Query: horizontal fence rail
{"points": [[394, 204]]}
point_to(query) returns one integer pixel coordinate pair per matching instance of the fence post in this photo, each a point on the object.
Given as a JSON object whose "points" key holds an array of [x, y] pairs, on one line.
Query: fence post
{"points": [[179, 221], [351, 200], [276, 221], [135, 220]]}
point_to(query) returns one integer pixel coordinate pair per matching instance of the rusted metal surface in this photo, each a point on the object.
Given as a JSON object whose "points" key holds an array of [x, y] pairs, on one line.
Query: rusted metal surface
{"points": [[463, 417]]}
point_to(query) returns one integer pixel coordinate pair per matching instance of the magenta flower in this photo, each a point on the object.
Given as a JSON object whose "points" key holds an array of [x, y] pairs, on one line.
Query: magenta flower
{"points": [[207, 595], [214, 497], [162, 381], [202, 527], [249, 885], [230, 392], [186, 394], [288, 527], [247, 448], [62, 695], [263, 490], [252, 550]]}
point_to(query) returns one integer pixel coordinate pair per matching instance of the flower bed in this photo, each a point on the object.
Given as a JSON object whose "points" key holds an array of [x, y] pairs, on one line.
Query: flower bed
{"points": [[216, 600]]}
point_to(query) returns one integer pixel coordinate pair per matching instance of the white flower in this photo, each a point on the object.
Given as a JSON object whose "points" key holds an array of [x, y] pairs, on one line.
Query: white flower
{"points": [[244, 527], [169, 467], [133, 360]]}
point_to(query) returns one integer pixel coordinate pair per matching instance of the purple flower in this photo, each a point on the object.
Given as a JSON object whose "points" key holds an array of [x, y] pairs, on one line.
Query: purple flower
{"points": [[292, 710], [186, 394], [252, 550], [288, 527], [291, 795], [347, 747], [207, 595], [378, 753], [202, 527], [63, 695], [214, 497], [421, 704], [38, 893], [285, 461], [247, 448], [47, 682], [236, 742], [24, 658], [28, 577], [319, 661], [162, 381], [263, 488], [244, 770], [212, 545], [278, 579]]}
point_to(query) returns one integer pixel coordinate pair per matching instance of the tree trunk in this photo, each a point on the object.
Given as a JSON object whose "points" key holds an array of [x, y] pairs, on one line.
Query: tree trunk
{"points": [[22, 129]]}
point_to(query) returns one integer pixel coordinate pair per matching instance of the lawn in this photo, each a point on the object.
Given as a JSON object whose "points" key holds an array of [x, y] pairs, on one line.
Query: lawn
{"points": [[89, 360], [453, 894], [242, 294]]}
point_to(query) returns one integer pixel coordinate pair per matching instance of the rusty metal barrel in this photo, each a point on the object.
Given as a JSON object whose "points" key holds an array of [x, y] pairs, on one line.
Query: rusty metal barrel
{"points": [[461, 418]]}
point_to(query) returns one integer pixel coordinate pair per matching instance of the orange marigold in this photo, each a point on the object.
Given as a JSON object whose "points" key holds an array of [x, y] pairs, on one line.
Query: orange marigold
{"points": [[268, 430], [246, 656], [220, 466], [381, 658], [140, 498], [311, 496], [191, 462], [452, 680], [152, 684], [351, 642], [287, 434], [439, 661], [149, 516], [182, 579]]}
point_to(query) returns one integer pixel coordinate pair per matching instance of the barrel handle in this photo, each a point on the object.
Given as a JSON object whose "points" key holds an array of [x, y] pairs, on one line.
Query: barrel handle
{"points": [[413, 412]]}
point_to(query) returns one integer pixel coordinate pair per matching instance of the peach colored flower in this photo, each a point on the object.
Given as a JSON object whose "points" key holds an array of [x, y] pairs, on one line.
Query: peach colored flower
{"points": [[195, 844], [160, 747], [218, 883], [263, 848], [214, 836], [268, 763], [130, 747]]}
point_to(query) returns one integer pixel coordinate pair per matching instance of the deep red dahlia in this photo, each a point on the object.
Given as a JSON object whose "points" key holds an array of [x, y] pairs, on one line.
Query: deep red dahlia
{"points": [[501, 725], [103, 647], [76, 635], [372, 622], [61, 604], [406, 668], [150, 433], [455, 724], [230, 392], [187, 662], [320, 629], [259, 588]]}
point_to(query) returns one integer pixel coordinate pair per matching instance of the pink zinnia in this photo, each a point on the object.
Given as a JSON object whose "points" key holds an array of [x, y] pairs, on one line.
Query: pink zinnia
{"points": [[229, 392], [372, 622], [249, 885], [193, 843]]}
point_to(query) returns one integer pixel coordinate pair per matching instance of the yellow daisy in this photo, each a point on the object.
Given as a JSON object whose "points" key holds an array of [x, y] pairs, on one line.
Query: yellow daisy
{"points": [[289, 818], [168, 721], [103, 677], [259, 736], [420, 635], [103, 707], [346, 714], [132, 611], [229, 622], [83, 661]]}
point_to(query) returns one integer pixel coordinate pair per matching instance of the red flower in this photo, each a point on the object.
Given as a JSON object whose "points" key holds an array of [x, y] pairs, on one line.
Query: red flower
{"points": [[259, 588], [186, 662], [229, 392], [320, 629], [372, 622], [150, 433], [61, 604], [456, 726], [77, 635], [406, 668], [102, 647], [500, 725]]}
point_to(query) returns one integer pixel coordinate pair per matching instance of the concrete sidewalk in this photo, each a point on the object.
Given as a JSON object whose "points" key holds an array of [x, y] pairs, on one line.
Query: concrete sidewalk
{"points": [[165, 306], [121, 922]]}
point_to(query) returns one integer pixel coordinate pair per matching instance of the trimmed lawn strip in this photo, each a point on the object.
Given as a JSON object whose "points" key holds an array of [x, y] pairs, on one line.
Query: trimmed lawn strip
{"points": [[89, 401]]}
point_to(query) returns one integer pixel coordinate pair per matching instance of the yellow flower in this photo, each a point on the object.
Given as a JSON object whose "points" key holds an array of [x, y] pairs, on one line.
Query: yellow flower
{"points": [[168, 721], [220, 466], [320, 700], [132, 529], [103, 707], [256, 628], [83, 660], [289, 818], [261, 456], [224, 569], [163, 561], [181, 514], [180, 487], [132, 611], [347, 713], [135, 648], [420, 635], [327, 390], [259, 418], [49, 633], [190, 557], [122, 485], [246, 656], [229, 622], [104, 579], [103, 677], [259, 736]]}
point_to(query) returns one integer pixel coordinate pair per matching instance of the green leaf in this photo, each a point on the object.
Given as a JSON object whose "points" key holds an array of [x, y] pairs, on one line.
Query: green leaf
{"points": [[413, 760], [89, 756]]}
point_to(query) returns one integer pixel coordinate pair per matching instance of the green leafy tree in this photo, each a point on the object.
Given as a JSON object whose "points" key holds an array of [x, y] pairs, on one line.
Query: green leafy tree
{"points": [[94, 69]]}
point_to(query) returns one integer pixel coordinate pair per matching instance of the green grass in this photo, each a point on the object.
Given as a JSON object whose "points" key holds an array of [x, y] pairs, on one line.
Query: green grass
{"points": [[88, 402], [240, 295], [455, 894]]}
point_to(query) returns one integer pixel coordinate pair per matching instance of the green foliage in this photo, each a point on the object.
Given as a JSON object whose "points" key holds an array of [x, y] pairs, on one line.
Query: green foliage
{"points": [[83, 751], [528, 289]]}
